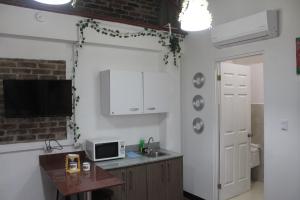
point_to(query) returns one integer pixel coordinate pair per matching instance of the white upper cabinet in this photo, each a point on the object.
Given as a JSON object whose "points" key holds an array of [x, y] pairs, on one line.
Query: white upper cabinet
{"points": [[128, 92], [156, 92], [121, 92]]}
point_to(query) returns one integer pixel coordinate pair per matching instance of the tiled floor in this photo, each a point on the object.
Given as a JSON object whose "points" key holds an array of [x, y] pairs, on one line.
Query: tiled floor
{"points": [[256, 192]]}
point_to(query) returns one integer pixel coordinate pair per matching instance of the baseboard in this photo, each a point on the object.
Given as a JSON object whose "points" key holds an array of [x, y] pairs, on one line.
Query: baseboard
{"points": [[191, 196]]}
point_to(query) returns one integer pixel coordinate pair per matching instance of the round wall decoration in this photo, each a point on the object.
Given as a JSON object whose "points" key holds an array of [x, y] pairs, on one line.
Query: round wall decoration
{"points": [[198, 80], [198, 125], [198, 102]]}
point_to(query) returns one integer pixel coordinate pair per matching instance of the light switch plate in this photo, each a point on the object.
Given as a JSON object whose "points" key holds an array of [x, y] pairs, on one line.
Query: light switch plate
{"points": [[284, 125]]}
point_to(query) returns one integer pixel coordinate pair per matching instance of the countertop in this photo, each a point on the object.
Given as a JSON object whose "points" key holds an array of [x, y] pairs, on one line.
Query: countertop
{"points": [[127, 162]]}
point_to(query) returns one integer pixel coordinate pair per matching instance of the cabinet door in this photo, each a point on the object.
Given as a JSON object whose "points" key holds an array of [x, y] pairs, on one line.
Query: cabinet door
{"points": [[174, 179], [157, 181], [119, 192], [137, 183], [156, 92], [126, 92]]}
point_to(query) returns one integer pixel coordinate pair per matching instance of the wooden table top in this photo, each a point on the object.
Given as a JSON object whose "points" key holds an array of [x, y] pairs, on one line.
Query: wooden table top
{"points": [[67, 184]]}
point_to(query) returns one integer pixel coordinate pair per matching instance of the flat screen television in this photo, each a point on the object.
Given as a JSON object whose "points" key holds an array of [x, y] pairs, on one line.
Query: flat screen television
{"points": [[37, 98]]}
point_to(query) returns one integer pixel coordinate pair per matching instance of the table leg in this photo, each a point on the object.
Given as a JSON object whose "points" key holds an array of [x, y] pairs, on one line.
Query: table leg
{"points": [[68, 198], [57, 194], [87, 195]]}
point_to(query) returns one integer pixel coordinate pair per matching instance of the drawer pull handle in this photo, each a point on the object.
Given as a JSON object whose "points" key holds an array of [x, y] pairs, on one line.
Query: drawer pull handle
{"points": [[152, 108], [130, 180], [162, 173], [133, 109], [123, 178], [169, 173]]}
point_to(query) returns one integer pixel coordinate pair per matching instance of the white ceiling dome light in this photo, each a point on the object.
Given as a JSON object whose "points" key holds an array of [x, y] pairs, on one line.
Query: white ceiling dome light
{"points": [[54, 2], [195, 16]]}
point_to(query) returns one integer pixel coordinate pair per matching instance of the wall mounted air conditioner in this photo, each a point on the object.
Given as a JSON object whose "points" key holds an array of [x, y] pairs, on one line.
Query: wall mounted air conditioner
{"points": [[261, 26]]}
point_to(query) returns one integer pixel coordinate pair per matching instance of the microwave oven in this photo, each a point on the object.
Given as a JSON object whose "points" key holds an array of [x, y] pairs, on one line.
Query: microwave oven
{"points": [[105, 149]]}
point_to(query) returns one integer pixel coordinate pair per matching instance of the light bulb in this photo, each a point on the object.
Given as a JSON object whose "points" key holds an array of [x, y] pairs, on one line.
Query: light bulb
{"points": [[196, 17], [54, 2]]}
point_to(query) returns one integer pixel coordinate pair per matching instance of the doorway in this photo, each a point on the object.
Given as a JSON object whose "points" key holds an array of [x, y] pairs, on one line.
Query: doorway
{"points": [[241, 128]]}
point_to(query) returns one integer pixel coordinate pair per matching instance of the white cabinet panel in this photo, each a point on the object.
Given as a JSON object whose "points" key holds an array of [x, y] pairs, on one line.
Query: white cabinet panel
{"points": [[156, 92], [121, 92], [128, 92]]}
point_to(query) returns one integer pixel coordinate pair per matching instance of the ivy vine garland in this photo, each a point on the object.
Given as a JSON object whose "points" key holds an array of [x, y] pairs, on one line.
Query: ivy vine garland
{"points": [[168, 40], [75, 98]]}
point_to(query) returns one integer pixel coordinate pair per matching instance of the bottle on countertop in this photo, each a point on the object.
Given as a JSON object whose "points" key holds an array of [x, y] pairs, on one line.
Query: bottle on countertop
{"points": [[141, 145]]}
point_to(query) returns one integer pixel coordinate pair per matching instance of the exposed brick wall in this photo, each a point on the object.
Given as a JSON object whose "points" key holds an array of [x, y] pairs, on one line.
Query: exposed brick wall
{"points": [[15, 130], [140, 10], [147, 11]]}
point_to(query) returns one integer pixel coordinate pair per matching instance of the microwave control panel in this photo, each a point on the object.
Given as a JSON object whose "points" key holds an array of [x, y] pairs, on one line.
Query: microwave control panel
{"points": [[122, 149]]}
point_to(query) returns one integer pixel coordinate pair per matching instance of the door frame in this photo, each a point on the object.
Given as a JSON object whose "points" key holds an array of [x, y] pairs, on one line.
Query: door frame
{"points": [[216, 139]]}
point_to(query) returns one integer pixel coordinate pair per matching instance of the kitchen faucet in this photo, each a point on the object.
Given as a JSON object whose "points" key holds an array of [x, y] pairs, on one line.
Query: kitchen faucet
{"points": [[149, 149]]}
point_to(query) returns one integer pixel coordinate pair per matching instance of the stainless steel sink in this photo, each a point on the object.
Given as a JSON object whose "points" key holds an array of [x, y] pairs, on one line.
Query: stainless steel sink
{"points": [[155, 154]]}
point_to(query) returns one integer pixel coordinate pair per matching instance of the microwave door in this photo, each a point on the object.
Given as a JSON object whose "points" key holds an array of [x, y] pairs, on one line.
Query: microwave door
{"points": [[107, 150]]}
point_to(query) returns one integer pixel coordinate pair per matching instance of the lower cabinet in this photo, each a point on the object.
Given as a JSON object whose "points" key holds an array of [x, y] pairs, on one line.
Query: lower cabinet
{"points": [[155, 181], [175, 179], [119, 192], [137, 183], [135, 187], [164, 180]]}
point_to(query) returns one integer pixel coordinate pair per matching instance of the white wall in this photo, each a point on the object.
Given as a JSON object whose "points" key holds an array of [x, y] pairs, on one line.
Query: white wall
{"points": [[282, 97], [23, 37], [197, 149], [257, 83]]}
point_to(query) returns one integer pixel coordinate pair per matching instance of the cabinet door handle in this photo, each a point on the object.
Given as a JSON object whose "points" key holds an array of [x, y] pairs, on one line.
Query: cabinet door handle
{"points": [[130, 180], [123, 178], [152, 108], [162, 173], [133, 109], [169, 174]]}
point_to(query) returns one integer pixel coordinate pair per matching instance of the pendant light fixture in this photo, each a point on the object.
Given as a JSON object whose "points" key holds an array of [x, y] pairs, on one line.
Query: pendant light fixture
{"points": [[195, 16], [54, 2]]}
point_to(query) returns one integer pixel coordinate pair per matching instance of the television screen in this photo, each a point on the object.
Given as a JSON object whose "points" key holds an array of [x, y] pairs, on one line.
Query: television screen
{"points": [[37, 98]]}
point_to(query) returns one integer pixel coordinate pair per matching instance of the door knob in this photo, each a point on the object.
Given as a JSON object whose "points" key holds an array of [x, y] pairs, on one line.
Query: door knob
{"points": [[250, 135]]}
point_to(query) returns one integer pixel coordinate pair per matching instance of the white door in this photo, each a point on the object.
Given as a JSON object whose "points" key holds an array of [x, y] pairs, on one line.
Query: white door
{"points": [[235, 125], [156, 92], [126, 92]]}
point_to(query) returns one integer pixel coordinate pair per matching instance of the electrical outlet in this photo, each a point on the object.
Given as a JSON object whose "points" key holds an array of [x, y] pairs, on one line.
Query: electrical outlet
{"points": [[47, 149]]}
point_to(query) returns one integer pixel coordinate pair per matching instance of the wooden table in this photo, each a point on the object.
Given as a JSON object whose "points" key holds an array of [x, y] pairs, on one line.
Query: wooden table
{"points": [[53, 165]]}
